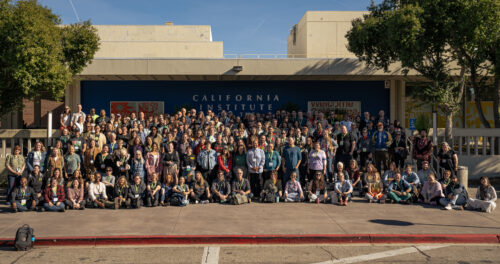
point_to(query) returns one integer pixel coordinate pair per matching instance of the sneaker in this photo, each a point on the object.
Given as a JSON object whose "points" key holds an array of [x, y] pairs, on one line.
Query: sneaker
{"points": [[448, 207], [197, 202], [62, 210], [204, 202], [14, 211]]}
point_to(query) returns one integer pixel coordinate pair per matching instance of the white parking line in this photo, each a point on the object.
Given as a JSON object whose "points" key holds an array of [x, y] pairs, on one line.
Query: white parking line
{"points": [[210, 255], [384, 254]]}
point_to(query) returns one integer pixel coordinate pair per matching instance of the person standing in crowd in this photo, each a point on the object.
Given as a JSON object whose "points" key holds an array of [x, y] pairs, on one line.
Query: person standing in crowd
{"points": [[381, 141], [153, 162], [225, 162], [65, 119], [171, 161], [23, 197], [329, 146], [347, 146], [103, 160], [256, 160], [364, 148], [207, 161], [448, 159], [486, 197], [36, 157], [72, 163], [317, 160], [455, 195], [273, 161], [422, 148], [291, 160], [398, 150], [15, 165]]}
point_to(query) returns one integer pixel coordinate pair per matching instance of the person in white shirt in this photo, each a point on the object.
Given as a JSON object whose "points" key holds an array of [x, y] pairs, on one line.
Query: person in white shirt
{"points": [[97, 193], [256, 160]]}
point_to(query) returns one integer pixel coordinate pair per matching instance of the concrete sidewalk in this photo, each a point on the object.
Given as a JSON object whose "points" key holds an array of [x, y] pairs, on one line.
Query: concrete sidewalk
{"points": [[253, 219]]}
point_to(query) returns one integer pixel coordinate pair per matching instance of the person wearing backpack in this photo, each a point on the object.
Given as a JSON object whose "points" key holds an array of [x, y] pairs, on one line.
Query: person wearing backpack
{"points": [[23, 197], [54, 197]]}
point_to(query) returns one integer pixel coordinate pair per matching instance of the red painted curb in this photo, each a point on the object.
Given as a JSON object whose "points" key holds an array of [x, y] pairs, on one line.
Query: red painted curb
{"points": [[264, 239]]}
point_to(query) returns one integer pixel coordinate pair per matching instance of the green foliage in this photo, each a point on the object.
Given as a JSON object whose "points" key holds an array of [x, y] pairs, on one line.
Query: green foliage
{"points": [[423, 122], [37, 56]]}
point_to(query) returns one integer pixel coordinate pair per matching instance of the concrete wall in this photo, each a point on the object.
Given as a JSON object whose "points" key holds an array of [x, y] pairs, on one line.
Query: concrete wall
{"points": [[321, 34], [157, 41]]}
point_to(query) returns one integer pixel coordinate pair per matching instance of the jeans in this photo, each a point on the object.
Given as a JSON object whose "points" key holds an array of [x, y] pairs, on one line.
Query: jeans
{"points": [[457, 200], [54, 208], [23, 208], [397, 198], [12, 182], [256, 182]]}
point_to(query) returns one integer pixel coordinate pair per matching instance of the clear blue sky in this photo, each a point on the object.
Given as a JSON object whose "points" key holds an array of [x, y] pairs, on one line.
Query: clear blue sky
{"points": [[245, 27]]}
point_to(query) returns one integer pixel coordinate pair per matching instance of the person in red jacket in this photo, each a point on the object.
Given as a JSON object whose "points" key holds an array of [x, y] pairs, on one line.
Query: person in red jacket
{"points": [[54, 197], [225, 162]]}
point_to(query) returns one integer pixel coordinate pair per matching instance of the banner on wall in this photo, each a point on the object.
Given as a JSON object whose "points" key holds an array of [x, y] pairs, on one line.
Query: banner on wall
{"points": [[351, 108], [127, 107]]}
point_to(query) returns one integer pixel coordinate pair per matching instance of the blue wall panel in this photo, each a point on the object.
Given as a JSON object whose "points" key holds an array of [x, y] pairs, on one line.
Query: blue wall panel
{"points": [[235, 95]]}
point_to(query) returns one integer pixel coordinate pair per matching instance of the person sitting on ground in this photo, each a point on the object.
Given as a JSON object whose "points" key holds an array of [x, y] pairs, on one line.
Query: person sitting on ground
{"points": [[424, 173], [36, 181], [272, 190], [241, 186], [485, 197], [23, 197], [389, 175], [399, 190], [357, 183], [221, 189], [431, 191], [293, 190], [200, 191], [341, 168], [153, 191], [455, 195], [109, 180], [446, 179], [136, 192], [375, 192], [166, 190], [412, 178], [180, 192], [370, 175], [75, 195], [342, 191], [121, 193], [317, 190], [54, 197], [97, 193]]}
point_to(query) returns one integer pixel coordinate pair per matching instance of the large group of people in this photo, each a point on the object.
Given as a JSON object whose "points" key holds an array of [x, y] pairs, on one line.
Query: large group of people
{"points": [[117, 161]]}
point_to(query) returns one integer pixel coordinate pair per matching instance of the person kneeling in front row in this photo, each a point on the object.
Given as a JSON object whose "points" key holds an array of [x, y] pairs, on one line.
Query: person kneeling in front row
{"points": [[23, 197], [455, 195], [343, 190], [317, 189], [293, 189], [399, 190], [136, 192]]}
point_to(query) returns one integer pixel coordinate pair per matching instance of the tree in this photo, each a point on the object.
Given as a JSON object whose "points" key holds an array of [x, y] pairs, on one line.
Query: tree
{"points": [[37, 55], [475, 39], [416, 34]]}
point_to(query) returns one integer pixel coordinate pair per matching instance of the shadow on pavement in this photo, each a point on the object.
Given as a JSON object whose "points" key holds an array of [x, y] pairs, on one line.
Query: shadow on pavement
{"points": [[405, 223]]}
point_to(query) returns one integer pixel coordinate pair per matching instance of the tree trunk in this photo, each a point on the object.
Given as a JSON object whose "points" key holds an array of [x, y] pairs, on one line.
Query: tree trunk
{"points": [[496, 102], [448, 131], [477, 99]]}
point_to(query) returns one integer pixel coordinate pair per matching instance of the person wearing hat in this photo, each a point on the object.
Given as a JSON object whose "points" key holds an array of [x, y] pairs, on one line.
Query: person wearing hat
{"points": [[447, 158], [381, 141], [398, 149], [455, 195]]}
